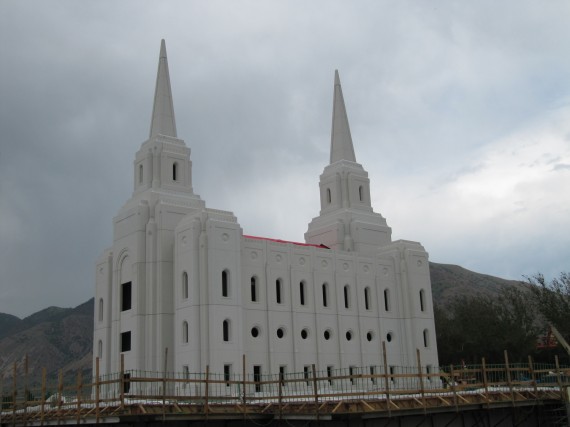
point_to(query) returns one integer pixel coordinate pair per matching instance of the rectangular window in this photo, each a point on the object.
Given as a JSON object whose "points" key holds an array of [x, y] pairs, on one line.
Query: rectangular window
{"points": [[373, 374], [185, 375], [330, 374], [325, 291], [392, 372], [126, 341], [126, 296], [257, 377], [253, 289], [227, 374], [351, 370], [302, 292], [126, 383], [278, 291], [307, 374], [282, 373]]}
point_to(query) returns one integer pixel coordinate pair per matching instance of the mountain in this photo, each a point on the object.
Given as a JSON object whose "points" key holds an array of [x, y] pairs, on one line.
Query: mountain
{"points": [[62, 338]]}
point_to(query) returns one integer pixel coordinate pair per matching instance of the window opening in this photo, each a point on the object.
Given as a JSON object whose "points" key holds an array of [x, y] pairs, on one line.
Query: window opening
{"points": [[140, 174], [302, 292], [426, 338], [389, 336], [351, 370], [126, 296], [346, 296], [373, 374], [330, 374], [254, 289], [422, 300], [348, 335], [100, 309], [185, 375], [225, 283], [329, 198], [185, 332], [280, 333], [226, 330], [278, 291], [100, 349], [360, 193], [369, 336], [392, 372], [307, 374], [282, 372], [367, 298], [255, 332], [257, 377], [325, 292], [387, 299], [304, 334], [185, 285], [327, 334], [227, 374], [126, 341], [175, 171]]}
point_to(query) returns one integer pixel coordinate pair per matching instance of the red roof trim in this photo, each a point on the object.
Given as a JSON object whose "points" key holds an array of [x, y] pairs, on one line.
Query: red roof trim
{"points": [[285, 241]]}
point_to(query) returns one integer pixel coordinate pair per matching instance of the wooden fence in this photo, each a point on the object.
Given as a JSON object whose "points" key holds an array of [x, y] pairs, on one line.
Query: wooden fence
{"points": [[383, 390]]}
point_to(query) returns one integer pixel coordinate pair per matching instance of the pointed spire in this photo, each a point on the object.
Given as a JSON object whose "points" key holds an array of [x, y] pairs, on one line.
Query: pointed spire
{"points": [[163, 122], [341, 141]]}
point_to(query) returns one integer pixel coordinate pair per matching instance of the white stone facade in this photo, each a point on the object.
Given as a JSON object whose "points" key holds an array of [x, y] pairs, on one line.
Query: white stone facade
{"points": [[184, 277]]}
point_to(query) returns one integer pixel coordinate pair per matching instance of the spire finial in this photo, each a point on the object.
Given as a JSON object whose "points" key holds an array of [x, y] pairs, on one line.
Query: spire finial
{"points": [[163, 122], [341, 141]]}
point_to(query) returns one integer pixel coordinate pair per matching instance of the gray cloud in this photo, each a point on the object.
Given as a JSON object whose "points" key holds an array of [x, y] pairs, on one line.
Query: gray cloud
{"points": [[428, 90]]}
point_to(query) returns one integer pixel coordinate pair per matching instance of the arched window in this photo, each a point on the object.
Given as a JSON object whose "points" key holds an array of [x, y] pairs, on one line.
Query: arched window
{"points": [[422, 300], [225, 283], [226, 330], [346, 296], [254, 289], [100, 309], [367, 298], [361, 193], [302, 292], [325, 295], [426, 338], [387, 299], [329, 198], [278, 291], [185, 331], [175, 171], [140, 174], [185, 285], [100, 349]]}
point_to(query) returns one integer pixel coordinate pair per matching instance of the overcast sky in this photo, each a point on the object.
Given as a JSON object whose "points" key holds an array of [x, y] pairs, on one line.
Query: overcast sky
{"points": [[459, 111]]}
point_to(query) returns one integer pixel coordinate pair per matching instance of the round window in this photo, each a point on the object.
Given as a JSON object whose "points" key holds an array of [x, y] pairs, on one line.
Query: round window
{"points": [[280, 333], [304, 334], [327, 335], [348, 335], [389, 337], [369, 336], [255, 332]]}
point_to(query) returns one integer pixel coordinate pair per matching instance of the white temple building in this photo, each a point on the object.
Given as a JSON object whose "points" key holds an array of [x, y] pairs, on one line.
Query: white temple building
{"points": [[184, 277]]}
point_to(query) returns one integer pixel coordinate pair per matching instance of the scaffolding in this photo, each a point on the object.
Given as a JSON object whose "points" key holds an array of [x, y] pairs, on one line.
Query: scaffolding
{"points": [[382, 390]]}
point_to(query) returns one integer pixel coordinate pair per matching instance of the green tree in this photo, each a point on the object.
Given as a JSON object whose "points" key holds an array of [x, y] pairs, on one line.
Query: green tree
{"points": [[482, 326], [552, 301]]}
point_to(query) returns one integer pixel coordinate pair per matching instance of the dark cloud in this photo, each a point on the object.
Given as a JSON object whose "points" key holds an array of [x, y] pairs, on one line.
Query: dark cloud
{"points": [[429, 91]]}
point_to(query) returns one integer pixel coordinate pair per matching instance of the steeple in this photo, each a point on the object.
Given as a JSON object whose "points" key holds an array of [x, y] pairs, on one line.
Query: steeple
{"points": [[346, 220], [163, 122], [341, 141]]}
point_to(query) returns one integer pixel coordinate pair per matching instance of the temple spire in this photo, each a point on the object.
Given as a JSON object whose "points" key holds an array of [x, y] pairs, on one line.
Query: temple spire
{"points": [[341, 141], [163, 122]]}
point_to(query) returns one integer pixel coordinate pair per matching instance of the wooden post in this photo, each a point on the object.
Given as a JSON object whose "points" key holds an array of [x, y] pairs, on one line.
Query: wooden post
{"points": [[532, 375], [244, 392], [26, 391], [164, 374], [386, 380], [315, 391], [453, 387], [559, 378], [59, 395], [79, 387], [420, 377], [122, 382], [206, 408], [509, 380], [485, 381], [14, 393], [97, 390], [44, 375]]}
